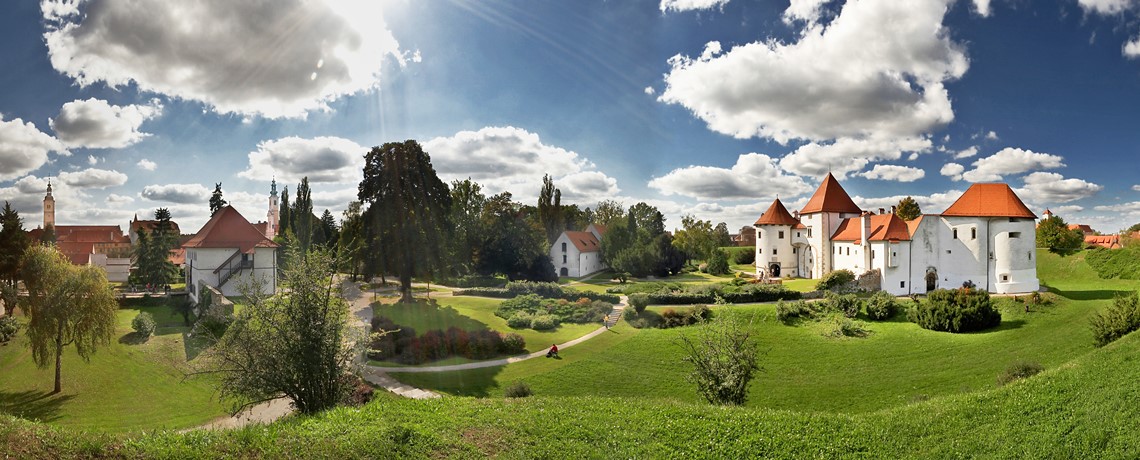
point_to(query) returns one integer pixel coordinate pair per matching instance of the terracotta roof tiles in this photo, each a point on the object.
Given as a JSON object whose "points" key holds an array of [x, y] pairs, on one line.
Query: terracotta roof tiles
{"points": [[989, 200], [228, 229], [830, 197], [584, 241], [777, 214]]}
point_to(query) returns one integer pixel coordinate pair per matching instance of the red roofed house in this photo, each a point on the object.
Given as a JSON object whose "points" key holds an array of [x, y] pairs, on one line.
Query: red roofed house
{"points": [[104, 246], [228, 251], [578, 254], [986, 237]]}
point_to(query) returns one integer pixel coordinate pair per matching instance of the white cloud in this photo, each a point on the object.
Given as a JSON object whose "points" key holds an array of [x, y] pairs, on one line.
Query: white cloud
{"points": [[1132, 48], [1132, 207], [513, 159], [650, 91], [116, 199], [804, 10], [966, 153], [847, 155], [982, 7], [1136, 188], [688, 5], [1010, 161], [1107, 7], [177, 193], [895, 173], [877, 70], [147, 165], [1048, 188], [93, 178], [953, 171], [992, 136], [755, 176], [91, 160], [96, 124], [23, 148], [1068, 209], [215, 51], [27, 194], [322, 159]]}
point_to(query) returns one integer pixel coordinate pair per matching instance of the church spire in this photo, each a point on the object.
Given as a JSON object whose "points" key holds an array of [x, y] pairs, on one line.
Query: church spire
{"points": [[273, 187]]}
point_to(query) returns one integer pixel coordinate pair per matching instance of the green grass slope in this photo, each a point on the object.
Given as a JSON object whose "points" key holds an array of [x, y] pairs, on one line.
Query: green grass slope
{"points": [[1087, 409]]}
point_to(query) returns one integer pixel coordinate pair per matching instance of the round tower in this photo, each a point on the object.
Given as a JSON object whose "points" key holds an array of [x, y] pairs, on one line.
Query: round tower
{"points": [[774, 231], [49, 208]]}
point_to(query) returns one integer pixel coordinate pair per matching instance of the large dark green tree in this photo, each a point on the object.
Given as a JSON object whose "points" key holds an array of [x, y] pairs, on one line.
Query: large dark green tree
{"points": [[467, 203], [696, 238], [408, 207], [285, 216], [1053, 233], [550, 210], [152, 252], [13, 242], [351, 241], [908, 209], [329, 229], [66, 305], [301, 216], [608, 212], [216, 200], [511, 245], [721, 235]]}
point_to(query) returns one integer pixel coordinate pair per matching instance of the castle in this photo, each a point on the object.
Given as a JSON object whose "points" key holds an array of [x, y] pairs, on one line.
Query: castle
{"points": [[987, 237]]}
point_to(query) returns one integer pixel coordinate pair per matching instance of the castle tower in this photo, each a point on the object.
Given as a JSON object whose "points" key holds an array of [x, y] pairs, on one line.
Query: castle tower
{"points": [[822, 215], [49, 208], [272, 217], [775, 256]]}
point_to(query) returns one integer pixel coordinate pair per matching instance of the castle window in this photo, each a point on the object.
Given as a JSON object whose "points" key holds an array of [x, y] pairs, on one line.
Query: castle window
{"points": [[947, 251], [563, 247], [563, 258], [1030, 253], [1015, 234], [797, 234], [955, 233], [872, 253], [793, 250], [1004, 278], [774, 251], [759, 251], [781, 234], [902, 284], [809, 232], [973, 233]]}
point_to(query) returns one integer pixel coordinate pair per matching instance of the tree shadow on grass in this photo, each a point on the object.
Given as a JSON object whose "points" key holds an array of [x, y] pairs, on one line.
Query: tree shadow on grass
{"points": [[34, 405], [479, 383], [133, 338], [1091, 294]]}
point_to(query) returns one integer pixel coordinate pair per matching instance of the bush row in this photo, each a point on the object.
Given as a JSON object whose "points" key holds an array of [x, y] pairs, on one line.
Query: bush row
{"points": [[390, 341], [473, 281], [1116, 321], [668, 318], [955, 310], [879, 306], [532, 310], [712, 293], [541, 289]]}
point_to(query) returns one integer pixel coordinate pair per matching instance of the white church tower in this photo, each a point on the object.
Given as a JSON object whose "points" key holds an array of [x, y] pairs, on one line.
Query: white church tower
{"points": [[271, 218], [49, 208]]}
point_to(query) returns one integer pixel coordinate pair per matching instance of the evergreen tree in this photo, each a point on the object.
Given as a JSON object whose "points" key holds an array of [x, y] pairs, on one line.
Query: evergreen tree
{"points": [[13, 243], [216, 201], [284, 216], [328, 229], [408, 208], [550, 210], [908, 209], [302, 216]]}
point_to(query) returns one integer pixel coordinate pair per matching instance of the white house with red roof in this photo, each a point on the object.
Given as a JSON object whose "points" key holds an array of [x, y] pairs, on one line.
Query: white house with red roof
{"points": [[986, 237], [227, 252], [577, 254]]}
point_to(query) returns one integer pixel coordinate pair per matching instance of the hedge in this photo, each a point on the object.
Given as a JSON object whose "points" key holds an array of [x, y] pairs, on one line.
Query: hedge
{"points": [[710, 293], [955, 310], [541, 289]]}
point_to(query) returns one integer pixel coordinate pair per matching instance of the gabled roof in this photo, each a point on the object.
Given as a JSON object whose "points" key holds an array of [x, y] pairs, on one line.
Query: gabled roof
{"points": [[1104, 241], [228, 229], [830, 197], [913, 224], [777, 214], [1084, 228], [989, 200], [884, 227], [599, 227], [584, 241]]}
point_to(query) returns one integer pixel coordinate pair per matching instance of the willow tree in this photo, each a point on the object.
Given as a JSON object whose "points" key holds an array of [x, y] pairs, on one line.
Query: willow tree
{"points": [[408, 206], [66, 305]]}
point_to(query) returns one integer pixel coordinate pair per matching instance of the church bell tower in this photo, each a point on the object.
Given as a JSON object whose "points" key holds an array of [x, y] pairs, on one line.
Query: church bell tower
{"points": [[49, 208], [271, 227]]}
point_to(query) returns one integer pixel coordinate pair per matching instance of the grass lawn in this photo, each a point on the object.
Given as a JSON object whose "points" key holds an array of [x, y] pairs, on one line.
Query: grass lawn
{"points": [[473, 313], [804, 370], [800, 284], [126, 386]]}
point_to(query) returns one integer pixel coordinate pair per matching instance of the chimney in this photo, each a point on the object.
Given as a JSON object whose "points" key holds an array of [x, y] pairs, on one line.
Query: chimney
{"points": [[881, 211], [892, 209], [796, 214]]}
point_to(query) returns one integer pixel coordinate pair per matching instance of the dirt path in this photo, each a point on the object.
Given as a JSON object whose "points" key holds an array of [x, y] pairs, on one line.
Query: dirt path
{"points": [[264, 413]]}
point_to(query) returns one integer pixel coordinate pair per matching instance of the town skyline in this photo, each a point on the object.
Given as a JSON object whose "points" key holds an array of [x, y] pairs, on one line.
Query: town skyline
{"points": [[710, 108]]}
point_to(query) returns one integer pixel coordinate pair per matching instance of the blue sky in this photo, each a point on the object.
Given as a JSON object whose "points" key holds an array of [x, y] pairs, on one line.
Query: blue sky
{"points": [[703, 107]]}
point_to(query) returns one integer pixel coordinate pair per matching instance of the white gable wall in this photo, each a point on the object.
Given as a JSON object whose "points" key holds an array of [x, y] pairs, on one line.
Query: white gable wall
{"points": [[201, 263]]}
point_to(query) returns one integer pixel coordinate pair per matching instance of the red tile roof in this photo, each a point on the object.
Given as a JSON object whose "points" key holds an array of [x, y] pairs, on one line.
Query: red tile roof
{"points": [[228, 229], [776, 214], [830, 197], [989, 200], [912, 225], [884, 227], [601, 228], [1104, 241], [1084, 228], [584, 241]]}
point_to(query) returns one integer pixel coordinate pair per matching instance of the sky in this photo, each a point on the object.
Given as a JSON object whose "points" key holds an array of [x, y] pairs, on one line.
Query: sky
{"points": [[705, 107]]}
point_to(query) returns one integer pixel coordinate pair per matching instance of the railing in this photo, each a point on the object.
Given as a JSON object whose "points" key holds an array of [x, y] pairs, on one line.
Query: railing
{"points": [[231, 267]]}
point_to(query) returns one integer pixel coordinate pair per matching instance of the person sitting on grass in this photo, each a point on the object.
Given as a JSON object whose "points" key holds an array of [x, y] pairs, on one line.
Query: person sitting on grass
{"points": [[553, 353]]}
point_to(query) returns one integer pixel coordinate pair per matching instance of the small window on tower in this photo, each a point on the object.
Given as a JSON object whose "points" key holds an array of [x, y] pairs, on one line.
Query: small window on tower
{"points": [[973, 233], [781, 234], [955, 233], [775, 251], [809, 232], [759, 251], [1015, 234], [902, 284]]}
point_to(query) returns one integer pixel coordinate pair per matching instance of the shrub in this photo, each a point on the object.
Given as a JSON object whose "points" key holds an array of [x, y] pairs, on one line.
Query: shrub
{"points": [[513, 344], [744, 257], [881, 306], [1116, 321], [542, 289], [9, 326], [845, 327], [143, 324], [360, 392], [1019, 370], [517, 390], [484, 344], [544, 322], [215, 321], [708, 293], [957, 310], [724, 357], [671, 318], [520, 320], [718, 263], [639, 301], [788, 312], [836, 280], [847, 304], [528, 303]]}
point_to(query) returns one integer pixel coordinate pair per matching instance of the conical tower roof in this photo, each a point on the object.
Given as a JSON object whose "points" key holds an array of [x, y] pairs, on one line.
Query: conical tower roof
{"points": [[989, 200], [777, 214], [830, 197]]}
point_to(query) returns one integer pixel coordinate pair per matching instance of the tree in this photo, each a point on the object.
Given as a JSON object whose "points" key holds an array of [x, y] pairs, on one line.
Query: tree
{"points": [[152, 252], [48, 236], [511, 245], [724, 359], [285, 216], [718, 262], [13, 243], [350, 243], [328, 228], [608, 211], [550, 210], [467, 203], [1053, 233], [908, 209], [302, 216], [66, 305], [407, 212], [292, 344], [216, 201], [721, 235], [695, 240]]}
